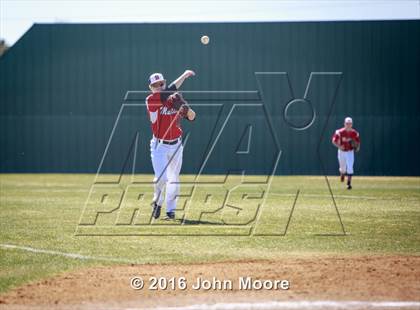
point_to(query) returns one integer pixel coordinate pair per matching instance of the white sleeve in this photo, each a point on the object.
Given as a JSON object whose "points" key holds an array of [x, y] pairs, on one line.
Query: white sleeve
{"points": [[153, 115]]}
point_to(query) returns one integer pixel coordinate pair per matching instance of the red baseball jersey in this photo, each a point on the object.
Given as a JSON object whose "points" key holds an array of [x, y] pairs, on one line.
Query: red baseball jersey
{"points": [[166, 122], [343, 136]]}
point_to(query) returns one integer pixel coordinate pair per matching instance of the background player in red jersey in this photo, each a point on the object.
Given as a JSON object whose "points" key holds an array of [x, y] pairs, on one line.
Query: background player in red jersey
{"points": [[166, 145], [347, 141]]}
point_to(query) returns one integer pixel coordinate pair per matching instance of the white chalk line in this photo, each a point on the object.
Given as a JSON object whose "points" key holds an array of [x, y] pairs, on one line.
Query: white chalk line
{"points": [[275, 305], [65, 254], [323, 304]]}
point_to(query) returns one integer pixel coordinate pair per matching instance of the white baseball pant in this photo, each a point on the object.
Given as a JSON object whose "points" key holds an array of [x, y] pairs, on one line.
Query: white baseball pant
{"points": [[346, 161], [167, 162]]}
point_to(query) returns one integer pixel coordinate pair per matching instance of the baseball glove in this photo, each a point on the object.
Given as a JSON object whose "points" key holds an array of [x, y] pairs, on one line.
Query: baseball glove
{"points": [[354, 145], [179, 104]]}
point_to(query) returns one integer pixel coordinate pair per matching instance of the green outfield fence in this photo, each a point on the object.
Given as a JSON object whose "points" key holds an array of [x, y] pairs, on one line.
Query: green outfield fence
{"points": [[62, 87]]}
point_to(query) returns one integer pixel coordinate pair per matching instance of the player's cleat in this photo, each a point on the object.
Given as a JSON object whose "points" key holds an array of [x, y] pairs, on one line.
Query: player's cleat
{"points": [[349, 176], [342, 176], [169, 216], [156, 210]]}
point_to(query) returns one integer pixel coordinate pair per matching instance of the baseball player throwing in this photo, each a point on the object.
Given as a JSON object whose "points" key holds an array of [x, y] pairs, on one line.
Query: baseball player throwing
{"points": [[166, 108], [347, 141]]}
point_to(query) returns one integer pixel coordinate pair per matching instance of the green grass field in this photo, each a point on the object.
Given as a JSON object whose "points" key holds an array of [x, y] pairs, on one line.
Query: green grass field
{"points": [[42, 211]]}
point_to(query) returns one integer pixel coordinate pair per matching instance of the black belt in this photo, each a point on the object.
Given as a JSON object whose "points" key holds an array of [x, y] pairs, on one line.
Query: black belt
{"points": [[172, 142]]}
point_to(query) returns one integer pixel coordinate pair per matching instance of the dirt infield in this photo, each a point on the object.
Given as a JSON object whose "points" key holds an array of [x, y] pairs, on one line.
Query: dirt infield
{"points": [[362, 278]]}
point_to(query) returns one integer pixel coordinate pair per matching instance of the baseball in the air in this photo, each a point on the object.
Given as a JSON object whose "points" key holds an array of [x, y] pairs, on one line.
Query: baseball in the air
{"points": [[205, 40]]}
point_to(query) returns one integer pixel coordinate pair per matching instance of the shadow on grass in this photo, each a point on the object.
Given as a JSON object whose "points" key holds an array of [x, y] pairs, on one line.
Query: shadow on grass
{"points": [[198, 222]]}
